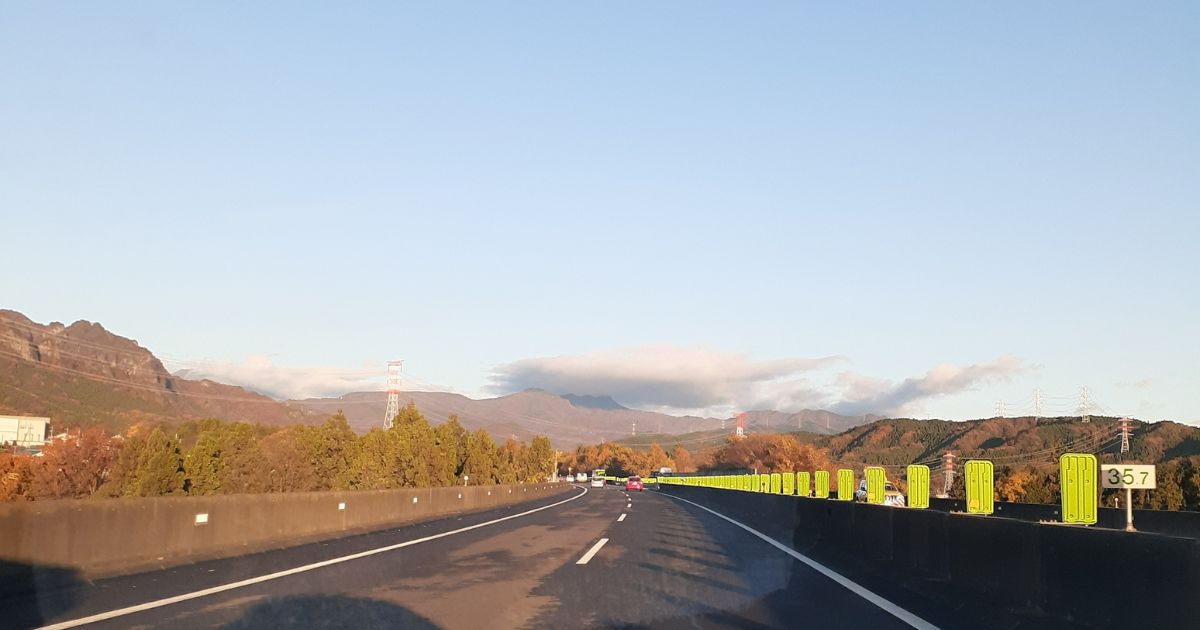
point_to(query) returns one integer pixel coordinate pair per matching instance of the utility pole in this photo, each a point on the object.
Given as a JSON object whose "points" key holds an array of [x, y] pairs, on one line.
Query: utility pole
{"points": [[393, 393], [1084, 405], [1037, 405]]}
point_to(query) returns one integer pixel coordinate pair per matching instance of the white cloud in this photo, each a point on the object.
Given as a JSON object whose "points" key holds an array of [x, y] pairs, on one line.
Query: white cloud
{"points": [[258, 374], [666, 377], [705, 382], [863, 394]]}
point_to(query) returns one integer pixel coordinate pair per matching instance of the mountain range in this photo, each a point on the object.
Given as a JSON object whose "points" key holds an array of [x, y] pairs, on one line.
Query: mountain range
{"points": [[83, 374]]}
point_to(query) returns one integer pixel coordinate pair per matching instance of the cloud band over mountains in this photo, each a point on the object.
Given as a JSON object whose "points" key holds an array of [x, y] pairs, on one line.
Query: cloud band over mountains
{"points": [[672, 378], [666, 378]]}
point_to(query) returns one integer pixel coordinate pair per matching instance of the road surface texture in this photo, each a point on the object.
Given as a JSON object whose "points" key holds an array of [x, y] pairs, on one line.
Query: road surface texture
{"points": [[664, 564]]}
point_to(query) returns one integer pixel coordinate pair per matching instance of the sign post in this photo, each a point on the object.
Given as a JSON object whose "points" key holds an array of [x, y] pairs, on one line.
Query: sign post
{"points": [[1130, 477]]}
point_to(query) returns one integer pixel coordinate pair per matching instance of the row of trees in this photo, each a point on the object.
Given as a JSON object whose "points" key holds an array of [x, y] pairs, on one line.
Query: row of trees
{"points": [[621, 460], [213, 457], [760, 452]]}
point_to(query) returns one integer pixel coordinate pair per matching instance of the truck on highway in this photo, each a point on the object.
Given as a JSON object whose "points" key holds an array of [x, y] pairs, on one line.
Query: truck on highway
{"points": [[598, 478]]}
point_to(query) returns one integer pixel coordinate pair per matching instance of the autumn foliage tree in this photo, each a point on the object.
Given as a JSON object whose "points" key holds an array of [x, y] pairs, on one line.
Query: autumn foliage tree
{"points": [[205, 457], [766, 452]]}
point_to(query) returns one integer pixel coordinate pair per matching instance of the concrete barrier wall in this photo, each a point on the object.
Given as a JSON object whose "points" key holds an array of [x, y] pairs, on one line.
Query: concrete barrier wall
{"points": [[99, 537], [1093, 577]]}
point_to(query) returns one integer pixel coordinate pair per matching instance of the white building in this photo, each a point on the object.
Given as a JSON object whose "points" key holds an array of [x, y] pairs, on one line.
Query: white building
{"points": [[24, 430]]}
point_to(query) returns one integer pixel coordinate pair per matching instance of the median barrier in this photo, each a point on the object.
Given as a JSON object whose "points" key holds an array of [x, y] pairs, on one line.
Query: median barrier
{"points": [[109, 536], [985, 567]]}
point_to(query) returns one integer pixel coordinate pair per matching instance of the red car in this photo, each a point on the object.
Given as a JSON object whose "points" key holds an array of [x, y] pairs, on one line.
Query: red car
{"points": [[633, 483]]}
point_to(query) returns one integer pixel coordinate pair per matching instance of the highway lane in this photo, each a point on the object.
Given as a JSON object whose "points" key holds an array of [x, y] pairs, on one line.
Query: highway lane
{"points": [[665, 564]]}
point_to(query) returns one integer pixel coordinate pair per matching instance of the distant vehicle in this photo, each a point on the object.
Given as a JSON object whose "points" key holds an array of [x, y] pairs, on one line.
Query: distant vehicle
{"points": [[580, 477], [598, 478], [891, 496], [634, 483]]}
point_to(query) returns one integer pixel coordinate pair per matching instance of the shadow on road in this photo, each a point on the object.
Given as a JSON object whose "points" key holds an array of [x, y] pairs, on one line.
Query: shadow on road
{"points": [[328, 611], [31, 595]]}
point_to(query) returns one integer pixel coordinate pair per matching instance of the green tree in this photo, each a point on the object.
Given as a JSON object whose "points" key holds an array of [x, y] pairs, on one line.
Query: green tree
{"points": [[540, 457], [288, 470], [241, 460], [376, 465], [452, 442], [159, 468], [203, 463], [482, 465], [1169, 494], [329, 449]]}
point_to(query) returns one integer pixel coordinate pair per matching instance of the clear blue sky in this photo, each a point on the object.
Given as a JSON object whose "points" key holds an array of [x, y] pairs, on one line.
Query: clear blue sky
{"points": [[467, 186]]}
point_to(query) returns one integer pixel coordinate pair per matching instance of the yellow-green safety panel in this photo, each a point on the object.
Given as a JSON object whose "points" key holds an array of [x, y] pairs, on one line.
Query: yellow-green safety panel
{"points": [[876, 478], [821, 479], [1077, 477], [980, 486], [918, 486], [776, 483], [764, 482], [845, 481], [789, 483], [803, 481]]}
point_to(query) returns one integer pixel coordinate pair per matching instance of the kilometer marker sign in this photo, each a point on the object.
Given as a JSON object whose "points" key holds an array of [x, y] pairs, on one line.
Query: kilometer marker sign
{"points": [[1129, 477]]}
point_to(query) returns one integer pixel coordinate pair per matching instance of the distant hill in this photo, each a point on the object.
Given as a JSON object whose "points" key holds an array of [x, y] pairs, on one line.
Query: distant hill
{"points": [[1005, 441], [82, 374], [1009, 440]]}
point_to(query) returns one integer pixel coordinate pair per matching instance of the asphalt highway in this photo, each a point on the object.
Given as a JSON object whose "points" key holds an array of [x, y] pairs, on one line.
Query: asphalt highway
{"points": [[663, 563]]}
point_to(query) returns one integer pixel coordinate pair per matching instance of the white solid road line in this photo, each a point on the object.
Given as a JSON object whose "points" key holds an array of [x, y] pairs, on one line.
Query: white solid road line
{"points": [[120, 612], [591, 552], [621, 518], [886, 605]]}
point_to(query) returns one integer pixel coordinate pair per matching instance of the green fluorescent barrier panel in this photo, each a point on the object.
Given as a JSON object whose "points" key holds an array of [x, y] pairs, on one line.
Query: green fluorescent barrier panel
{"points": [[876, 477], [845, 480], [821, 478], [979, 486], [776, 483], [802, 484], [1077, 477], [748, 482], [789, 483], [764, 483], [918, 486]]}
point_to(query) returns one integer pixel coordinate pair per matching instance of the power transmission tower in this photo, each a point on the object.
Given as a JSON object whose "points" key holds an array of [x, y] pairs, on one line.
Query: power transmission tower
{"points": [[633, 431], [948, 471], [1037, 405], [999, 408], [1084, 405], [393, 391], [1125, 426], [741, 425]]}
